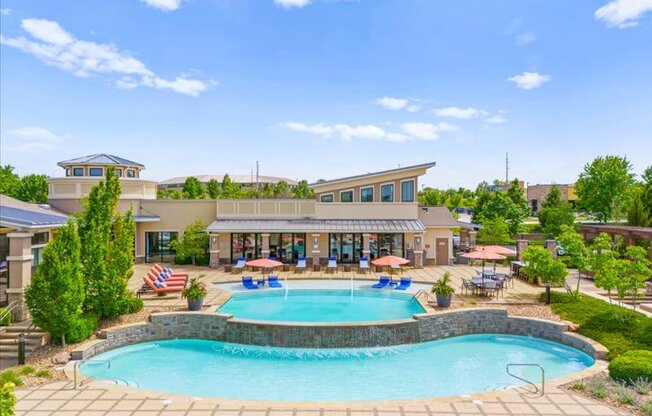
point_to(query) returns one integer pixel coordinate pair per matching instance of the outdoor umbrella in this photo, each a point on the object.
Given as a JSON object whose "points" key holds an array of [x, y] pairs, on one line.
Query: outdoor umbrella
{"points": [[264, 264], [499, 250], [483, 255], [390, 261]]}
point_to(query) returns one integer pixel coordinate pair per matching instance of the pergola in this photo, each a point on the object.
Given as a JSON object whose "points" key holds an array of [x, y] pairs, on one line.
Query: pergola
{"points": [[629, 233]]}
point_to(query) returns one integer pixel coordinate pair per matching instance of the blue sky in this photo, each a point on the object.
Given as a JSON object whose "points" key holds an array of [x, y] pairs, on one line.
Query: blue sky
{"points": [[325, 88]]}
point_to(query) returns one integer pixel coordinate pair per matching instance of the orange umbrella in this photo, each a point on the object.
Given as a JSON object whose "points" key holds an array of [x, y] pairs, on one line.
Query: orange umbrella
{"points": [[483, 255], [264, 263], [499, 250], [389, 261]]}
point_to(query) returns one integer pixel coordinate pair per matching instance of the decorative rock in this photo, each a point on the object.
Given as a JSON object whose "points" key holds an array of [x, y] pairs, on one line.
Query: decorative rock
{"points": [[61, 358]]}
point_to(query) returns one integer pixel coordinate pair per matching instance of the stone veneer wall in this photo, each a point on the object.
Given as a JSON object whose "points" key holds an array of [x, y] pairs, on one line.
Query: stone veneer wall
{"points": [[425, 327]]}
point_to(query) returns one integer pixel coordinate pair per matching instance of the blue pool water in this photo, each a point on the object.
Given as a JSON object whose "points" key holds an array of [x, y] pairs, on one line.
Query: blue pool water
{"points": [[453, 366], [322, 305]]}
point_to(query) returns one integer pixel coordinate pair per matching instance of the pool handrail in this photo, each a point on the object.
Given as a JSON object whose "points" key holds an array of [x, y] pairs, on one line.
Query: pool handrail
{"points": [[543, 375]]}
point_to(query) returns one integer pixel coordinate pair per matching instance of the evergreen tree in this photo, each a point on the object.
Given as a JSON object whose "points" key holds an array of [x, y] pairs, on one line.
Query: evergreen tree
{"points": [[56, 294], [637, 214], [213, 189], [553, 199]]}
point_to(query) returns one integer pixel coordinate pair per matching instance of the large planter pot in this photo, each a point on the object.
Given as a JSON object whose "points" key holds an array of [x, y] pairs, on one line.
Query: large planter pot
{"points": [[195, 304], [444, 301]]}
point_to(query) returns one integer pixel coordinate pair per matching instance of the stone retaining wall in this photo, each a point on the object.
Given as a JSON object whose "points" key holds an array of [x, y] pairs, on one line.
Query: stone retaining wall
{"points": [[424, 327]]}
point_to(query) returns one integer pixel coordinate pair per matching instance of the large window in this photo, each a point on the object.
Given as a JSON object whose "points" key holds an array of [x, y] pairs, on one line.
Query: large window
{"points": [[367, 194], [346, 196], [385, 244], [245, 245], [78, 172], [158, 246], [287, 248], [326, 198], [347, 248], [407, 191], [39, 241], [387, 193], [96, 171]]}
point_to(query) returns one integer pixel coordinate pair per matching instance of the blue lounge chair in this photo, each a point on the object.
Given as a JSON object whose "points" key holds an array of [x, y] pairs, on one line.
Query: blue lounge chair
{"points": [[332, 264], [382, 282], [301, 265], [272, 281], [364, 265], [405, 283], [239, 266], [248, 282]]}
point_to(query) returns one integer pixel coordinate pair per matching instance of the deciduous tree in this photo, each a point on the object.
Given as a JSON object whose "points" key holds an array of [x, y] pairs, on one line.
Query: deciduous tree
{"points": [[33, 188], [303, 191], [9, 181], [213, 189], [193, 188], [230, 190], [193, 242]]}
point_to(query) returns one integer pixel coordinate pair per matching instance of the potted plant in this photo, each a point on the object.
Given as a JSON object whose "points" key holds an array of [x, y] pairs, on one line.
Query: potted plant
{"points": [[443, 291], [195, 293]]}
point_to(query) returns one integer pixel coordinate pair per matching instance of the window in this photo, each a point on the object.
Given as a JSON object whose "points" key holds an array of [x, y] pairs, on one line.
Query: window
{"points": [[326, 198], [407, 191], [118, 173], [385, 244], [68, 172], [40, 238], [78, 172], [387, 193], [131, 174], [158, 246], [367, 194], [347, 248], [96, 171], [346, 196]]}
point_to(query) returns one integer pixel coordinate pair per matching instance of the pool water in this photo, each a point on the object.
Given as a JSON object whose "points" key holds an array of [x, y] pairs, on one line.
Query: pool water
{"points": [[453, 366], [322, 305]]}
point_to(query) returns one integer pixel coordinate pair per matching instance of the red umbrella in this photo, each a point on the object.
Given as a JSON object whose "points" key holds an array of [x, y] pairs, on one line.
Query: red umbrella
{"points": [[499, 250], [389, 261], [264, 263], [483, 255]]}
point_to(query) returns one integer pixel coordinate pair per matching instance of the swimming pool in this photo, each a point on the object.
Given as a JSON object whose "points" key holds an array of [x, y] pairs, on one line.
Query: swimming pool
{"points": [[453, 366], [322, 305]]}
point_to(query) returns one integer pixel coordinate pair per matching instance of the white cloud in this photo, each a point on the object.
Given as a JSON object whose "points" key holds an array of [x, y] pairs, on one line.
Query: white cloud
{"points": [[392, 103], [457, 112], [495, 119], [164, 5], [623, 13], [525, 38], [31, 139], [411, 131], [398, 137], [529, 80], [368, 131], [5, 12], [320, 129], [56, 47], [414, 108], [289, 4], [427, 131]]}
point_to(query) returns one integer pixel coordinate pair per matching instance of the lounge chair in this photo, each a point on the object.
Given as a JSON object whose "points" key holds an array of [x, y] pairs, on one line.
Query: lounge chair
{"points": [[364, 265], [157, 267], [405, 283], [332, 264], [272, 281], [163, 277], [239, 266], [158, 287], [248, 282], [301, 265], [382, 282]]}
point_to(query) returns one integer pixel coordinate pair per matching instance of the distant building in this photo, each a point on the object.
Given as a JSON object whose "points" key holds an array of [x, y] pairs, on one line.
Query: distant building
{"points": [[245, 181], [536, 194], [504, 186]]}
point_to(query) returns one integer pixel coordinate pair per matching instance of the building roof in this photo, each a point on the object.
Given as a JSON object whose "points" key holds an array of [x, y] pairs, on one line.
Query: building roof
{"points": [[372, 174], [314, 225], [101, 159], [179, 180], [19, 214], [437, 216]]}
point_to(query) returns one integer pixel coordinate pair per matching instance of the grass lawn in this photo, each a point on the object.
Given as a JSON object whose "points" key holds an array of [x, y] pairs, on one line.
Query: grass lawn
{"points": [[618, 330]]}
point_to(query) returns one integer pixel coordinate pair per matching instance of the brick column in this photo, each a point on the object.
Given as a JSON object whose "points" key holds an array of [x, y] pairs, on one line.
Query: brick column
{"points": [[521, 245], [551, 245], [464, 235], [214, 250], [365, 246], [315, 249], [20, 272], [264, 251], [418, 251], [472, 237]]}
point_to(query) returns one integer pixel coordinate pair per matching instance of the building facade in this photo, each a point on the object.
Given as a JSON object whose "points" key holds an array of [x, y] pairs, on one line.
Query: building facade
{"points": [[536, 194]]}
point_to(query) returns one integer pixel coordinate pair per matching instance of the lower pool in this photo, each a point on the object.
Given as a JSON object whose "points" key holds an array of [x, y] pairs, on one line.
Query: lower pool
{"points": [[453, 366]]}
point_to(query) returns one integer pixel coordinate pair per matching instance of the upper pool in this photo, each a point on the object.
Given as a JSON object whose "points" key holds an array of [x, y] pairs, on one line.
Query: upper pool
{"points": [[322, 305], [453, 366]]}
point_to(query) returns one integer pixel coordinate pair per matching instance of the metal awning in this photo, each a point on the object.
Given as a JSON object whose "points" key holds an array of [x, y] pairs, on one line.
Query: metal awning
{"points": [[22, 218], [313, 225], [146, 218]]}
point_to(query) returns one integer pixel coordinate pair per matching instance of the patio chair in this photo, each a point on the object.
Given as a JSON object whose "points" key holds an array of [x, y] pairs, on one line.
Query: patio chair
{"points": [[332, 264], [382, 282], [301, 265], [509, 278], [164, 277], [364, 265], [491, 287], [248, 282], [405, 283], [272, 281], [158, 287], [468, 286], [157, 267], [239, 266]]}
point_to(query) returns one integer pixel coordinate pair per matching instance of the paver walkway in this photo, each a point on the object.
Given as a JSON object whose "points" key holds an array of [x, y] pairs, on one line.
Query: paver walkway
{"points": [[96, 398]]}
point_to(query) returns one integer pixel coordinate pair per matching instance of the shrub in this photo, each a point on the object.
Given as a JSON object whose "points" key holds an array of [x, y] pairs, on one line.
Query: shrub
{"points": [[43, 373], [579, 386], [642, 386], [7, 399], [82, 328], [26, 370], [624, 394], [646, 407], [133, 305], [631, 366], [6, 319], [9, 376], [598, 388]]}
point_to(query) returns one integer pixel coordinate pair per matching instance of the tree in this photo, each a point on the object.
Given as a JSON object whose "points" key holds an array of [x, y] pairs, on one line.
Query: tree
{"points": [[552, 219], [646, 197], [9, 181], [230, 189], [267, 191], [33, 189], [541, 264], [499, 204], [602, 185], [56, 294], [106, 250], [520, 209], [193, 242], [281, 190], [193, 188], [637, 215], [495, 231], [553, 199], [576, 250], [303, 191], [636, 272], [213, 189], [601, 260]]}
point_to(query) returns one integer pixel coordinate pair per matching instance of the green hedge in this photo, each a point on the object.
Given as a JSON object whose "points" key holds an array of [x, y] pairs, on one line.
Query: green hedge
{"points": [[6, 321], [84, 327], [631, 366], [619, 332], [7, 399], [133, 305], [199, 260]]}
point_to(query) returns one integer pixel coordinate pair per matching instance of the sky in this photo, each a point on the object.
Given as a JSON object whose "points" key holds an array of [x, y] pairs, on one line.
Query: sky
{"points": [[326, 88]]}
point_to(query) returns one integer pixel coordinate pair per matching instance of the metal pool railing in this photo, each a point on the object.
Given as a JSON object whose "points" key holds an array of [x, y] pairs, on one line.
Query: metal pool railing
{"points": [[543, 376]]}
